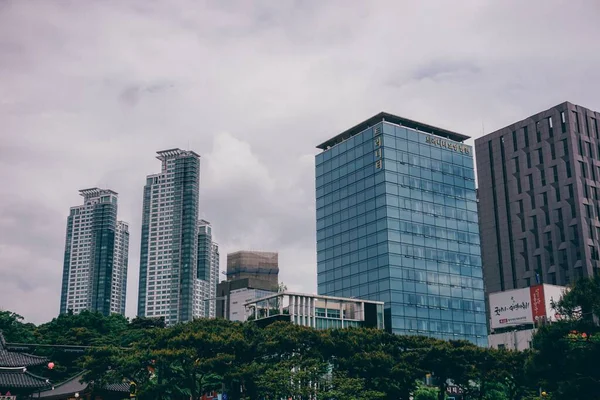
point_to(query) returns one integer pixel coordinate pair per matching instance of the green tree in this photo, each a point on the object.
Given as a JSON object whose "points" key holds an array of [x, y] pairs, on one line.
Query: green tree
{"points": [[184, 361], [564, 360], [387, 363], [424, 392], [343, 387], [582, 300], [84, 329], [451, 361], [13, 329]]}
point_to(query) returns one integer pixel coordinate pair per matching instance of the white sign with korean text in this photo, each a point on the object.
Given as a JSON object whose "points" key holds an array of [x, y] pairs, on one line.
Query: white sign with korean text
{"points": [[510, 308]]}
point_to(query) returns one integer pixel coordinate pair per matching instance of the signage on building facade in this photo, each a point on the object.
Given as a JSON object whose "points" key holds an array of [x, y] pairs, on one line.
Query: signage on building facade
{"points": [[524, 306], [451, 389], [538, 308], [510, 308], [447, 144], [378, 159]]}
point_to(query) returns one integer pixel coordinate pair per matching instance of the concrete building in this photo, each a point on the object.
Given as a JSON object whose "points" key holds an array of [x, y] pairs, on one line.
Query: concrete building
{"points": [[319, 312], [232, 295], [397, 223], [96, 254], [168, 284], [253, 264], [539, 209]]}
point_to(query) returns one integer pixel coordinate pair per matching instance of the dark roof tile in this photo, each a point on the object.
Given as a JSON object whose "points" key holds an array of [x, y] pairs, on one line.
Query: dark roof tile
{"points": [[11, 359], [19, 378]]}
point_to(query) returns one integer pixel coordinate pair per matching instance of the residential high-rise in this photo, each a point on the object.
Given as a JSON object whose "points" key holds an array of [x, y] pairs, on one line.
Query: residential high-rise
{"points": [[208, 270], [119, 280], [169, 245], [397, 222], [96, 253], [253, 264], [539, 183]]}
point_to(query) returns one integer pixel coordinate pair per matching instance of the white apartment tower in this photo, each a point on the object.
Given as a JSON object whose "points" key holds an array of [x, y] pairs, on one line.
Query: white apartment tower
{"points": [[168, 284], [208, 271], [119, 278], [96, 253]]}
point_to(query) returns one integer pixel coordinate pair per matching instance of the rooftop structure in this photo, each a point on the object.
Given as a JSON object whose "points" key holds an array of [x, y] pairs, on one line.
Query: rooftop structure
{"points": [[319, 312], [253, 264], [394, 119]]}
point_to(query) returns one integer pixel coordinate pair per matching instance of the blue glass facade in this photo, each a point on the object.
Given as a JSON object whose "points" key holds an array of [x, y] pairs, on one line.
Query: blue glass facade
{"points": [[397, 222]]}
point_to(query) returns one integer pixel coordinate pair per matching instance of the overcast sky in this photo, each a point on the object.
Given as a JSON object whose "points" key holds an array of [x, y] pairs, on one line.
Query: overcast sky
{"points": [[90, 90]]}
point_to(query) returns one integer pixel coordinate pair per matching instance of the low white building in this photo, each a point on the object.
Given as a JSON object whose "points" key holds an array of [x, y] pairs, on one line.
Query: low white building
{"points": [[320, 312], [233, 294]]}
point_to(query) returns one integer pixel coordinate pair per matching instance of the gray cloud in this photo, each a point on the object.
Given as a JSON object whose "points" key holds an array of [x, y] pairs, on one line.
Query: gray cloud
{"points": [[90, 90]]}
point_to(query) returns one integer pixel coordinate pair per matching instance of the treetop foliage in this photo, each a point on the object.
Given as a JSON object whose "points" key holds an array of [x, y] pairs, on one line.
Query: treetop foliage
{"points": [[290, 361]]}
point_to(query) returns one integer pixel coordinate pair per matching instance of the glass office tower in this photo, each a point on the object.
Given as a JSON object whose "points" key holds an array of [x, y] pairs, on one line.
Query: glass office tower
{"points": [[397, 222]]}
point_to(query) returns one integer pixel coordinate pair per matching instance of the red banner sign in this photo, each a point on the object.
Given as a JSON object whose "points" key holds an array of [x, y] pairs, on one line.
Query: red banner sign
{"points": [[538, 305]]}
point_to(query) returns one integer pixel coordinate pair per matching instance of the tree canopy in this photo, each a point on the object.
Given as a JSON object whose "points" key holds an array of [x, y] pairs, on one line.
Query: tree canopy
{"points": [[284, 360]]}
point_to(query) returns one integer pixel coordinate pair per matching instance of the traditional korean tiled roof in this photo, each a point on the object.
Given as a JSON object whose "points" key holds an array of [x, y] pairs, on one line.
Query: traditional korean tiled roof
{"points": [[12, 359], [74, 385], [20, 378], [65, 389]]}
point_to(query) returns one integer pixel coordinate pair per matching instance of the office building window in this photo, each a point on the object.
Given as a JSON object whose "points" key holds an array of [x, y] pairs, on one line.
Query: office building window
{"points": [[576, 118], [554, 173], [543, 177]]}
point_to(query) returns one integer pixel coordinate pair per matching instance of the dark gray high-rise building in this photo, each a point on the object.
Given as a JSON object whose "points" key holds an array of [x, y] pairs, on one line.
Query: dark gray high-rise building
{"points": [[539, 182], [96, 252], [169, 247]]}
